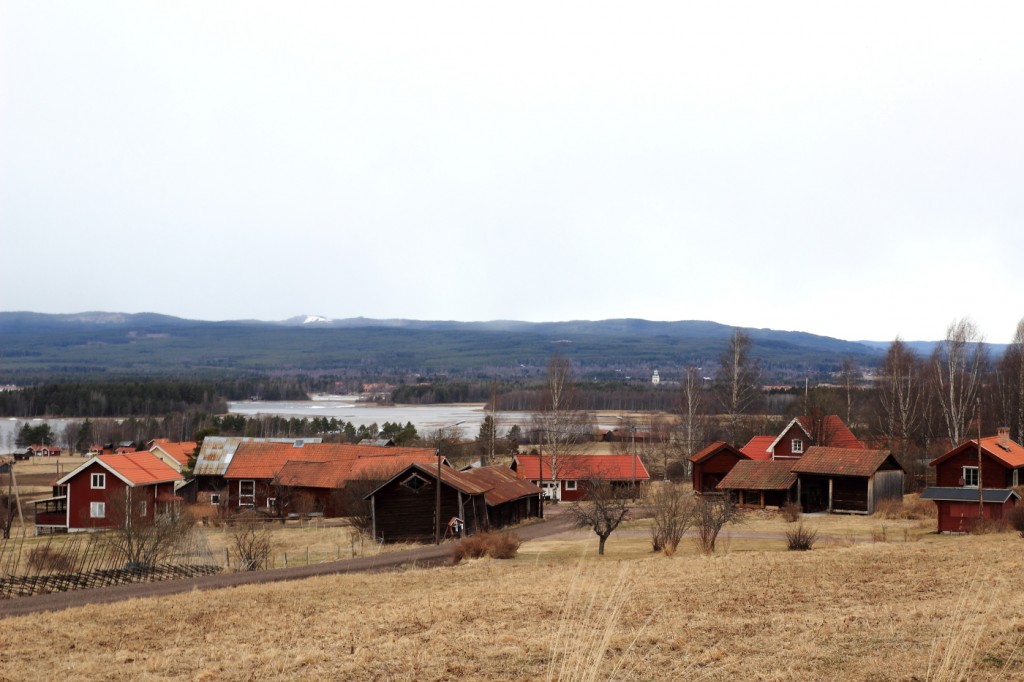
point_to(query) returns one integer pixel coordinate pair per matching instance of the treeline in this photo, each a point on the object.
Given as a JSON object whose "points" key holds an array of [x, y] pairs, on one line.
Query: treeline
{"points": [[141, 398]]}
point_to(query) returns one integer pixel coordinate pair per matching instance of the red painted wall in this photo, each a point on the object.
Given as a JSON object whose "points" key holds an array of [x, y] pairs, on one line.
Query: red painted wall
{"points": [[785, 447], [708, 473], [960, 517], [81, 495], [993, 473]]}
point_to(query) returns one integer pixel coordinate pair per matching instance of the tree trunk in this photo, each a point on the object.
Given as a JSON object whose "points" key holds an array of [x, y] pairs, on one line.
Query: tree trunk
{"points": [[600, 544]]}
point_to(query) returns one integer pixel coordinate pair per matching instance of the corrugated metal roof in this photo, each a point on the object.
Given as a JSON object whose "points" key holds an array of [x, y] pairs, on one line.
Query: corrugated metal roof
{"points": [[757, 448], [217, 452], [991, 495]]}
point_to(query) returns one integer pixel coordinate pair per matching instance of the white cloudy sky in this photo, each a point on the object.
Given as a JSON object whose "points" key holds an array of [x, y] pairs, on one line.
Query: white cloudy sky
{"points": [[849, 169]]}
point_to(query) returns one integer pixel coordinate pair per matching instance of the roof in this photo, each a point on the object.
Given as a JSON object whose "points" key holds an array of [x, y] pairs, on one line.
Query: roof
{"points": [[759, 475], [179, 452], [265, 460], [834, 431], [1001, 449], [335, 473], [502, 484], [134, 468], [828, 461], [497, 484], [757, 448], [990, 495], [604, 467], [217, 452], [713, 449]]}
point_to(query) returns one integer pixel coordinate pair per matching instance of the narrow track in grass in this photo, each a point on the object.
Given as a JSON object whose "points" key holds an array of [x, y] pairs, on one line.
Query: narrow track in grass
{"points": [[428, 555]]}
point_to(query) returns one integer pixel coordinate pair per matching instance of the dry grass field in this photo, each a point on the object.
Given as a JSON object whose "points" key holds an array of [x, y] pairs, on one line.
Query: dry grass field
{"points": [[930, 608]]}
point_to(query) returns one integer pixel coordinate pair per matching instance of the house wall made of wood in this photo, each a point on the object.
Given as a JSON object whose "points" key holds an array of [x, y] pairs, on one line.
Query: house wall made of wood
{"points": [[404, 514], [710, 472], [948, 474], [760, 499], [785, 449], [960, 517], [512, 512], [81, 495]]}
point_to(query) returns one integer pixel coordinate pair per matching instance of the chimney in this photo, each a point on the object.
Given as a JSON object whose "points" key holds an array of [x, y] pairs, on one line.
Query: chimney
{"points": [[1003, 433]]}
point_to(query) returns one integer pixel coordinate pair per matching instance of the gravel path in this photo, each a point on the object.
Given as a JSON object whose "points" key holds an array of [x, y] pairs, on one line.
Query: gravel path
{"points": [[427, 555]]}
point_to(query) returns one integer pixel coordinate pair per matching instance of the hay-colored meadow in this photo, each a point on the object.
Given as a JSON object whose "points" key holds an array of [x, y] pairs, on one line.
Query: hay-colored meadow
{"points": [[939, 608]]}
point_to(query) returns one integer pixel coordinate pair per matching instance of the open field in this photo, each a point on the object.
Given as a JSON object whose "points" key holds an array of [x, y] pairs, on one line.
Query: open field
{"points": [[938, 608]]}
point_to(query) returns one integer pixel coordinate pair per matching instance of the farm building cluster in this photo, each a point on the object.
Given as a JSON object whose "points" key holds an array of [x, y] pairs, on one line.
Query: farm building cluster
{"points": [[814, 462]]}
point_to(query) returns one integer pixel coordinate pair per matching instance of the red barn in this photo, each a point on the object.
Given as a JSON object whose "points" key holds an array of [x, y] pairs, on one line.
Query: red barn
{"points": [[138, 478], [567, 481], [711, 465], [956, 481]]}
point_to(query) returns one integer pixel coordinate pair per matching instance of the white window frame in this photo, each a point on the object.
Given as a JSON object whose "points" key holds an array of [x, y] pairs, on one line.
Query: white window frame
{"points": [[247, 499], [797, 446], [142, 509], [271, 502], [571, 484], [967, 481], [215, 498], [98, 482], [97, 510]]}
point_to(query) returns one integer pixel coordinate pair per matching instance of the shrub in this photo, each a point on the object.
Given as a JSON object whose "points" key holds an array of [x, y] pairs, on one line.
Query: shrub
{"points": [[985, 526], [801, 538], [494, 545], [44, 558], [791, 512], [1015, 517], [911, 507]]}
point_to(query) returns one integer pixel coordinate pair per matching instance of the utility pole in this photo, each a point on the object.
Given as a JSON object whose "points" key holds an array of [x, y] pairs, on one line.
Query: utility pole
{"points": [[981, 484]]}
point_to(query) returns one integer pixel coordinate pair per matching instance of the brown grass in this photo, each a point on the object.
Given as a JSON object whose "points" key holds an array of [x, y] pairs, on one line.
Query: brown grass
{"points": [[494, 545], [912, 507], [887, 611]]}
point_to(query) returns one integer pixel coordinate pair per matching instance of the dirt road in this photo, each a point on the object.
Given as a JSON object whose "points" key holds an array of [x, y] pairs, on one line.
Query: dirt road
{"points": [[426, 555]]}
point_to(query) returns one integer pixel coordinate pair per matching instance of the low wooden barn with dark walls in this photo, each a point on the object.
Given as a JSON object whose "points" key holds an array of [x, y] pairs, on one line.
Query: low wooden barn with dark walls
{"points": [[999, 464], [711, 465], [760, 484], [847, 480], [403, 509]]}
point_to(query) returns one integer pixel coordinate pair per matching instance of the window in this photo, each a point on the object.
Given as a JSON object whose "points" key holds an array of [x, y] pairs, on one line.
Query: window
{"points": [[798, 446], [415, 483], [142, 508], [970, 477], [215, 498], [98, 482], [271, 502], [247, 493], [570, 485], [97, 510]]}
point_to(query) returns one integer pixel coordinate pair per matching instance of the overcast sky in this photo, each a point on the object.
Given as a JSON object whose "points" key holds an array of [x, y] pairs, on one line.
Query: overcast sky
{"points": [[847, 169]]}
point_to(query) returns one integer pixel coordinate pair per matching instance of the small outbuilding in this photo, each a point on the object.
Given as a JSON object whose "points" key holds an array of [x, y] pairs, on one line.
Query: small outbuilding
{"points": [[760, 484], [959, 507], [847, 480], [712, 464]]}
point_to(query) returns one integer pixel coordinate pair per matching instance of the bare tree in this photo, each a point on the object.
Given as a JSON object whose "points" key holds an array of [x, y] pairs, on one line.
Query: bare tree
{"points": [[736, 381], [561, 427], [711, 515], [692, 421], [958, 364], [605, 507], [350, 500], [140, 536], [250, 538], [673, 511], [900, 393]]}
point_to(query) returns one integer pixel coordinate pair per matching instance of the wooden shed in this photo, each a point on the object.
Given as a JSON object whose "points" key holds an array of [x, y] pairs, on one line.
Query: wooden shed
{"points": [[848, 480], [711, 465], [958, 507], [760, 484]]}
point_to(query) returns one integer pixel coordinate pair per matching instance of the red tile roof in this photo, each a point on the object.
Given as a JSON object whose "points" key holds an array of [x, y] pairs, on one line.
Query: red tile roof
{"points": [[265, 460], [134, 468], [581, 467], [502, 484], [827, 461], [833, 431], [759, 475], [179, 452], [1001, 449], [713, 449], [757, 448], [334, 474]]}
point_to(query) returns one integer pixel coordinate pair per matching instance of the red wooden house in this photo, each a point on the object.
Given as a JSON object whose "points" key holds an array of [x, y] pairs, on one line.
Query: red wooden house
{"points": [[567, 480], [711, 465], [90, 492], [956, 491], [800, 434]]}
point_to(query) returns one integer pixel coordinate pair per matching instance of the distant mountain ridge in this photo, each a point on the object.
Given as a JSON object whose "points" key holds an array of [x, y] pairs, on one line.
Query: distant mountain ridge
{"points": [[148, 343]]}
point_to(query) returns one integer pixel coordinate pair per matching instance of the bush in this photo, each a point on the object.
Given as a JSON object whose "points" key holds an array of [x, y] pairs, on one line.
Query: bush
{"points": [[44, 558], [791, 512], [494, 545], [801, 539], [1015, 517], [911, 507]]}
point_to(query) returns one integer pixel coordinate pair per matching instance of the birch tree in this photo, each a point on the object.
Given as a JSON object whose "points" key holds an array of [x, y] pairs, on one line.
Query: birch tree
{"points": [[899, 393], [958, 364], [561, 427], [736, 381]]}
